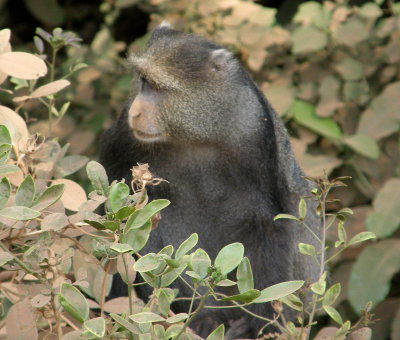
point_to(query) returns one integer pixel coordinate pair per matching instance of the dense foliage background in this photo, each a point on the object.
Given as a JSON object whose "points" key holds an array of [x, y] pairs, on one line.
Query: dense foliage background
{"points": [[331, 69]]}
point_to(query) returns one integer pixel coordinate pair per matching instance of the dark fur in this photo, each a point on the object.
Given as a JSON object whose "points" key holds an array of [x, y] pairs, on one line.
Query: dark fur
{"points": [[230, 170]]}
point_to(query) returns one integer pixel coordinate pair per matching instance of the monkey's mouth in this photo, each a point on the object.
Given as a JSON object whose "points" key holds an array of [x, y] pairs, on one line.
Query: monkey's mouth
{"points": [[148, 137]]}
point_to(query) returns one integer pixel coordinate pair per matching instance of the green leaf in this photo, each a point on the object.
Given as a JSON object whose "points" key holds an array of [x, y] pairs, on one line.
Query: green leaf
{"points": [[333, 313], [164, 301], [307, 249], [172, 331], [48, 197], [304, 114], [96, 224], [293, 302], [319, 286], [8, 168], [351, 32], [361, 237], [74, 302], [142, 216], [350, 69], [5, 191], [312, 12], [137, 238], [19, 213], [343, 330], [244, 276], [110, 225], [200, 263], [245, 297], [117, 196], [287, 216], [46, 11], [186, 245], [171, 276], [146, 317], [147, 263], [225, 283], [121, 247], [193, 275], [372, 273], [342, 235], [278, 291], [98, 177], [331, 294], [385, 218], [124, 212], [302, 208], [125, 323], [96, 326], [26, 192], [5, 150], [370, 11], [5, 137], [363, 144], [308, 39], [229, 257], [217, 334], [177, 318]]}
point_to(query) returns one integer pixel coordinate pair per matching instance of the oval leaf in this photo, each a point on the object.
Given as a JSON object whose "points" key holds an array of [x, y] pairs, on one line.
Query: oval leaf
{"points": [[363, 144], [26, 192], [50, 88], [19, 213], [74, 195], [96, 326], [22, 65], [74, 302], [15, 124], [278, 291], [187, 245], [18, 330], [55, 221], [200, 263], [333, 313], [147, 262], [244, 276], [117, 196], [361, 237], [5, 191], [304, 114], [98, 177], [146, 317], [141, 216], [48, 197], [245, 297], [229, 257], [372, 273], [218, 333]]}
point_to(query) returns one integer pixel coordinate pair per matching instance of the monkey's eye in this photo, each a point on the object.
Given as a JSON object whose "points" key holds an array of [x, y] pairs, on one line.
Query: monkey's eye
{"points": [[146, 85]]}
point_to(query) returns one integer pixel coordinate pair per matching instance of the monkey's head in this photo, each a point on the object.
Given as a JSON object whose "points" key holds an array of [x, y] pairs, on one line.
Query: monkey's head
{"points": [[190, 90]]}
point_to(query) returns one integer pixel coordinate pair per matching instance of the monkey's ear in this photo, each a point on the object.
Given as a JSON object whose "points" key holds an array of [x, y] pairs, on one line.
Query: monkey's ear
{"points": [[220, 59]]}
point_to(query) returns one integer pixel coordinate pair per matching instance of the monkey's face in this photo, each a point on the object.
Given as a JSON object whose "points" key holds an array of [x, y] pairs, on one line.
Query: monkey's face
{"points": [[187, 90], [144, 112]]}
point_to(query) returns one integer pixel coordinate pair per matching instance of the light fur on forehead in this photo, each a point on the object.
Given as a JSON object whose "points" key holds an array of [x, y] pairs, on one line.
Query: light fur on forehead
{"points": [[165, 24], [154, 71]]}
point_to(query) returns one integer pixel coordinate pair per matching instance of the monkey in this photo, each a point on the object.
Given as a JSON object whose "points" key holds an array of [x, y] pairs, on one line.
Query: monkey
{"points": [[201, 123]]}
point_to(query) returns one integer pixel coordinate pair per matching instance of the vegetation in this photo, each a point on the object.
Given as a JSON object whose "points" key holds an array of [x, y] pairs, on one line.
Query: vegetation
{"points": [[333, 74]]}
